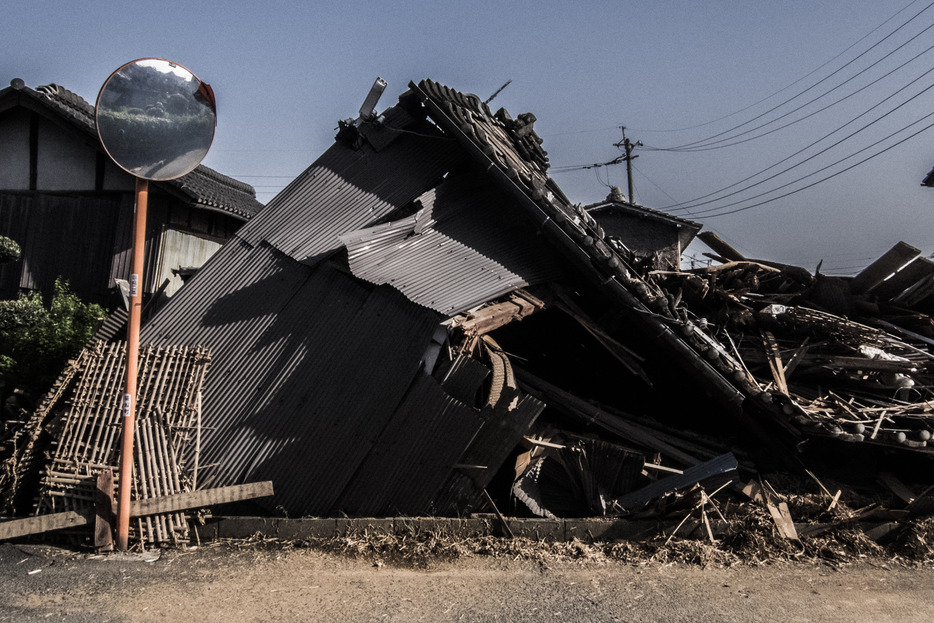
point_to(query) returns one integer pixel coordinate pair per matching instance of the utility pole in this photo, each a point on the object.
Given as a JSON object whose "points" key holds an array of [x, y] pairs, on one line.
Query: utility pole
{"points": [[628, 146]]}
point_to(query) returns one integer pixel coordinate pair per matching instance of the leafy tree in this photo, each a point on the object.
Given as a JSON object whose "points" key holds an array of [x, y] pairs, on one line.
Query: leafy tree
{"points": [[36, 341]]}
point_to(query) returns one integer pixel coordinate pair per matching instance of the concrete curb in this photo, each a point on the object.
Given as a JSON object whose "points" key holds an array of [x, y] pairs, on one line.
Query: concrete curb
{"points": [[538, 529]]}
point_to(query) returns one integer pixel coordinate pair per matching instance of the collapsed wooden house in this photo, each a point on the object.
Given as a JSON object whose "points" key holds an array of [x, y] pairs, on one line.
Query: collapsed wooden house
{"points": [[423, 314]]}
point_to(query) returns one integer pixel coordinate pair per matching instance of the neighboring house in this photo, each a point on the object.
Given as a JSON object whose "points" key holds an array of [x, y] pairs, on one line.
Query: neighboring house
{"points": [[654, 238], [70, 207]]}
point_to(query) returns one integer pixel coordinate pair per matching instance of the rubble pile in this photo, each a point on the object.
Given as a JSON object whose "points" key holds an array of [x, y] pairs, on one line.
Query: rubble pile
{"points": [[837, 361]]}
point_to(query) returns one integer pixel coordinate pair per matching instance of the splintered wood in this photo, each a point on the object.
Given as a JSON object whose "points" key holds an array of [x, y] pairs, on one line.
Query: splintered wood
{"points": [[170, 380], [826, 356]]}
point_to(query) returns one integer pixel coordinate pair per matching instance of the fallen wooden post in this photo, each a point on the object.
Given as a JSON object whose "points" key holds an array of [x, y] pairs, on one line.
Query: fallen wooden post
{"points": [[104, 519], [138, 508], [44, 523]]}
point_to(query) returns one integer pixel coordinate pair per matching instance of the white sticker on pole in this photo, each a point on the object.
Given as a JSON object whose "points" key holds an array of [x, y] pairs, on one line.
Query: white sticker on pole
{"points": [[134, 284], [126, 405]]}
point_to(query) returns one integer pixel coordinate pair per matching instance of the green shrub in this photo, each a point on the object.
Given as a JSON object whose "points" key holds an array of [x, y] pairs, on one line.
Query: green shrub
{"points": [[36, 341], [9, 250]]}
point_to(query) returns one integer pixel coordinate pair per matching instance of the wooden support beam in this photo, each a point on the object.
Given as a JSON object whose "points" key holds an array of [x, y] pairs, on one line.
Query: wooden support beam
{"points": [[720, 247], [104, 519], [138, 508]]}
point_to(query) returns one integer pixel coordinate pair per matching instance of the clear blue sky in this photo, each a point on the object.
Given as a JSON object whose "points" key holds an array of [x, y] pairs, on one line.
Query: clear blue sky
{"points": [[285, 72]]}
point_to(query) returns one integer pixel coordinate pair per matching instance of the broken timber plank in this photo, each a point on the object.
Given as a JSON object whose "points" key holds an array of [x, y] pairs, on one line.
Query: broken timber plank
{"points": [[782, 517], [483, 321], [198, 499], [44, 523], [138, 508], [775, 362], [104, 518], [886, 265], [720, 247], [911, 274]]}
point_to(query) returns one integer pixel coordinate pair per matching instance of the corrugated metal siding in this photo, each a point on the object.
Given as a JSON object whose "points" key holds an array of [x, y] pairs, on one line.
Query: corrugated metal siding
{"points": [[414, 455], [310, 364], [442, 257], [347, 189], [60, 235]]}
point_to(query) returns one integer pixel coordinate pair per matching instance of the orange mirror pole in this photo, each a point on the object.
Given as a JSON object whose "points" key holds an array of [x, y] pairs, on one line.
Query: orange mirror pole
{"points": [[132, 364]]}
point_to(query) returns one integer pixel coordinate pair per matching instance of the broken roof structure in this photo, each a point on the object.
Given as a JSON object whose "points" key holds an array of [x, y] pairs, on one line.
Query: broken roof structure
{"points": [[342, 319]]}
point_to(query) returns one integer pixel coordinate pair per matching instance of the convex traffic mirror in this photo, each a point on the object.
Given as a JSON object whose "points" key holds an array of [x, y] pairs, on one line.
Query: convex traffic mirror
{"points": [[156, 119]]}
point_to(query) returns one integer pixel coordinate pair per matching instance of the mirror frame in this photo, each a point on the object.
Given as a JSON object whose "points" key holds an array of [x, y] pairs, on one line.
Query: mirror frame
{"points": [[155, 133]]}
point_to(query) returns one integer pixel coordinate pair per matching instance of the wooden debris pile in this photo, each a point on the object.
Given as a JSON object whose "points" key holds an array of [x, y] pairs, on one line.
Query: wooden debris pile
{"points": [[847, 358]]}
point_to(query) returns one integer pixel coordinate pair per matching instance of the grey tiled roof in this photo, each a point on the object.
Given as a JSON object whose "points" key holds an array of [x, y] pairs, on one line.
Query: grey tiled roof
{"points": [[641, 211]]}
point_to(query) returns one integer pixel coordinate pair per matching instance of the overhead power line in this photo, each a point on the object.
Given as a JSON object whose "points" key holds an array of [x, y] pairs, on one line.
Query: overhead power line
{"points": [[696, 202], [707, 140], [713, 212], [774, 93]]}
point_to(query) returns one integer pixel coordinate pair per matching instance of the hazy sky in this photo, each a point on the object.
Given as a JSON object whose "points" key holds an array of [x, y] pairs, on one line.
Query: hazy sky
{"points": [[743, 90]]}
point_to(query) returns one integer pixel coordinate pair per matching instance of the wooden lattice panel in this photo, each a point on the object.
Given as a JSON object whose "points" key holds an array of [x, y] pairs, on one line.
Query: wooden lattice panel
{"points": [[88, 435]]}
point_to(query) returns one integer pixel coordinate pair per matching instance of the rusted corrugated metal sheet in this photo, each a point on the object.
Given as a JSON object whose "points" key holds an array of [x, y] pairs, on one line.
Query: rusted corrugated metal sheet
{"points": [[462, 248]]}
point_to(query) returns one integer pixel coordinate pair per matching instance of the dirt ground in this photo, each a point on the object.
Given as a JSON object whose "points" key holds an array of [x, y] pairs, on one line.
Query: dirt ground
{"points": [[262, 581]]}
